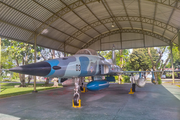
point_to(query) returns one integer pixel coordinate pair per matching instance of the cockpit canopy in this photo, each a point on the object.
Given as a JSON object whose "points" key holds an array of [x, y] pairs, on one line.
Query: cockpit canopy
{"points": [[87, 52]]}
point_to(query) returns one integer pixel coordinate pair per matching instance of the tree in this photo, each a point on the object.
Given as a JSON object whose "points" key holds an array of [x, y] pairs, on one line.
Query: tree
{"points": [[17, 53], [158, 63], [121, 58], [150, 58], [176, 57], [139, 60], [22, 53]]}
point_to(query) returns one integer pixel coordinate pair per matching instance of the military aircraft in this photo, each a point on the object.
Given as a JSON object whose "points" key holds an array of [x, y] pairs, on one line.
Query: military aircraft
{"points": [[86, 62]]}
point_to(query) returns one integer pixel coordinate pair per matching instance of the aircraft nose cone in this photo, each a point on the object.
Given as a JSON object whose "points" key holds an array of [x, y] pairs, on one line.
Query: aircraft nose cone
{"points": [[36, 69]]}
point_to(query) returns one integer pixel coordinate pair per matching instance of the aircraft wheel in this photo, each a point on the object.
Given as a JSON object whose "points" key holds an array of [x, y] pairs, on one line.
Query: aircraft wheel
{"points": [[134, 87], [81, 88], [153, 81], [76, 100]]}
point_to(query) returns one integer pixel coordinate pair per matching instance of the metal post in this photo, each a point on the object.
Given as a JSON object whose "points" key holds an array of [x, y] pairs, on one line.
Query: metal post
{"points": [[121, 39], [0, 62], [179, 41], [64, 49], [0, 55], [35, 49], [144, 40], [172, 64], [100, 45]]}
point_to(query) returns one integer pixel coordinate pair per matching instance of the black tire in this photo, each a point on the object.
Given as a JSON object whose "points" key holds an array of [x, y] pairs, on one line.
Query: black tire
{"points": [[76, 100], [133, 87], [81, 88], [153, 81]]}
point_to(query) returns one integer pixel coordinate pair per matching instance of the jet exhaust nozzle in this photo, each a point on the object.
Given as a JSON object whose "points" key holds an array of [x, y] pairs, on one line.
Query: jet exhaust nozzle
{"points": [[97, 85], [36, 69]]}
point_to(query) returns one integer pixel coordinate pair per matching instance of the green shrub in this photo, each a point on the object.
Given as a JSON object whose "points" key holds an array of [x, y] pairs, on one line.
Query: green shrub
{"points": [[175, 74], [116, 78], [126, 79], [159, 80], [168, 75], [1, 78]]}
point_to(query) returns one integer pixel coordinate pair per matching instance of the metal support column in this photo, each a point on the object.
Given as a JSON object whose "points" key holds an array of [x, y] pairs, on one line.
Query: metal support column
{"points": [[144, 40], [120, 39], [0, 55], [64, 49], [172, 63], [100, 45], [0, 62], [179, 41], [35, 50]]}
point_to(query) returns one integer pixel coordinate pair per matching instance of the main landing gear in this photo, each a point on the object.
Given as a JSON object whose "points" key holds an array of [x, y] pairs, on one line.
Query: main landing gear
{"points": [[82, 85], [79, 86]]}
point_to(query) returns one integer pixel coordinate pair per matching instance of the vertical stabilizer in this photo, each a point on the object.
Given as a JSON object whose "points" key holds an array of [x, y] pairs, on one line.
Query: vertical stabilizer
{"points": [[113, 55]]}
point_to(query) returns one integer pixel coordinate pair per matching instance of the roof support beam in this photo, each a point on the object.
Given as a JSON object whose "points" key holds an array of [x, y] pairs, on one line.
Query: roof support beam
{"points": [[154, 16], [79, 16], [168, 3], [60, 42], [29, 43], [127, 13], [170, 18], [111, 14], [118, 41], [78, 4], [16, 26], [95, 15], [62, 12], [117, 31], [60, 18], [32, 36], [139, 4], [124, 18]]}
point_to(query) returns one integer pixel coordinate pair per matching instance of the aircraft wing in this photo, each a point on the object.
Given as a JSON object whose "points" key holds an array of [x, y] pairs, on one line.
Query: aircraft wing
{"points": [[138, 71], [148, 71]]}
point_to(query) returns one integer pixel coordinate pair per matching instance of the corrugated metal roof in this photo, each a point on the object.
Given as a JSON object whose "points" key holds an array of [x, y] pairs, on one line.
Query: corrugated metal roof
{"points": [[88, 23]]}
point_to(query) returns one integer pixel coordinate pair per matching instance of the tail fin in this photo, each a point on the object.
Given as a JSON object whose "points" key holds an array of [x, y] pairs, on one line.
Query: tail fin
{"points": [[113, 55]]}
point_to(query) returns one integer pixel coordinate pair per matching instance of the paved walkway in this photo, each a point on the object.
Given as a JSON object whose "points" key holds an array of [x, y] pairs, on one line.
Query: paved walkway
{"points": [[153, 102]]}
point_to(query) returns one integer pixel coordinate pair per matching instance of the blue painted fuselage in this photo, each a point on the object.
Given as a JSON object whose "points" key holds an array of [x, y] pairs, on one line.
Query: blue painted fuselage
{"points": [[69, 67]]}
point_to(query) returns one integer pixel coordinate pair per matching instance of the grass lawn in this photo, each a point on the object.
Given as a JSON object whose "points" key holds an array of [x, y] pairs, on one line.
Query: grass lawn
{"points": [[8, 89]]}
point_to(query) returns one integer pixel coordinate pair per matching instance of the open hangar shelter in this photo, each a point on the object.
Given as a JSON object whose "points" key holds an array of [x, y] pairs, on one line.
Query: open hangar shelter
{"points": [[70, 25]]}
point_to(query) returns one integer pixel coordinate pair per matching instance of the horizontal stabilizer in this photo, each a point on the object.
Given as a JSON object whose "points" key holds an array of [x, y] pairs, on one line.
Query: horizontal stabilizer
{"points": [[146, 71]]}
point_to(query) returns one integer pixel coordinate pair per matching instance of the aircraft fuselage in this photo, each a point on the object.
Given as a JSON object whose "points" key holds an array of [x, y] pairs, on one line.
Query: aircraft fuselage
{"points": [[68, 67]]}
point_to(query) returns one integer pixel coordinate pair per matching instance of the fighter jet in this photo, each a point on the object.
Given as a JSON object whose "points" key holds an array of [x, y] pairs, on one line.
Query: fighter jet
{"points": [[86, 62]]}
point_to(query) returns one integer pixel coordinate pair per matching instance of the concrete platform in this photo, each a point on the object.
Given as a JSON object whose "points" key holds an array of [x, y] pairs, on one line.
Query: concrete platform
{"points": [[153, 102]]}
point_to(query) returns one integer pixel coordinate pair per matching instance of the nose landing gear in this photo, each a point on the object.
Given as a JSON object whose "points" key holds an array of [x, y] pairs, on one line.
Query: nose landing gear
{"points": [[76, 102]]}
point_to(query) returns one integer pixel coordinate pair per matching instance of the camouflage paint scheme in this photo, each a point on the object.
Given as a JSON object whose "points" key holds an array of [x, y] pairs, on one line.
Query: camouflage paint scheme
{"points": [[78, 65]]}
